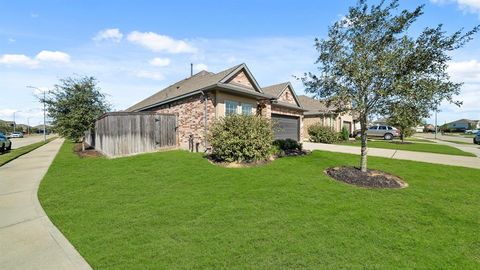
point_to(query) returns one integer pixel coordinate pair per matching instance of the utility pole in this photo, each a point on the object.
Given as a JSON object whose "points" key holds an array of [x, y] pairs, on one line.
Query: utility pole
{"points": [[44, 113], [44, 125], [14, 124]]}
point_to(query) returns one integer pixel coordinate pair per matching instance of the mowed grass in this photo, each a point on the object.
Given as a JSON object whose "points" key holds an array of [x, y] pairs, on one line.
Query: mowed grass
{"points": [[15, 153], [175, 210], [413, 146]]}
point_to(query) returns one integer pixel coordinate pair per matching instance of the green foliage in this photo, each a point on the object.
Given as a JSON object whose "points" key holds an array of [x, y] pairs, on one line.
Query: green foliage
{"points": [[288, 145], [322, 134], [405, 116], [407, 132], [345, 135], [74, 105], [370, 61], [241, 138]]}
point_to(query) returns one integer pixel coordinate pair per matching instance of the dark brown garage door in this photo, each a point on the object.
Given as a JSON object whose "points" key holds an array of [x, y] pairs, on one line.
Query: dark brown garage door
{"points": [[287, 127]]}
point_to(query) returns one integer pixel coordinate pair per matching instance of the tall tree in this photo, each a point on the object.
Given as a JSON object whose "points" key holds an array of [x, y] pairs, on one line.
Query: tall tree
{"points": [[369, 62], [74, 104]]}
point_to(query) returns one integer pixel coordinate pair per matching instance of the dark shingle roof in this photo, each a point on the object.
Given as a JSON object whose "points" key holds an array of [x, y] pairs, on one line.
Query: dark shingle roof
{"points": [[198, 81], [276, 89], [313, 105]]}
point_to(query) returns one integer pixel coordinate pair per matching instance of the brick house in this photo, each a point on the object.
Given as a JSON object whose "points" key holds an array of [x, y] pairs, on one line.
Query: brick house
{"points": [[318, 112], [200, 99]]}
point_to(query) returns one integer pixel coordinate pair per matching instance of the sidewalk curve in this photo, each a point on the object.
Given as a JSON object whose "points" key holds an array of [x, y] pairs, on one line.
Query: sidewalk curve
{"points": [[471, 162], [28, 239]]}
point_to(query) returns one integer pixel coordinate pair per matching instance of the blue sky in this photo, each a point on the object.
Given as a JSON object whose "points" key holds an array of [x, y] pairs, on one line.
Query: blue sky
{"points": [[135, 48]]}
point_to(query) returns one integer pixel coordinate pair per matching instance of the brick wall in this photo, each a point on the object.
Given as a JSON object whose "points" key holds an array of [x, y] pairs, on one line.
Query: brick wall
{"points": [[291, 112], [241, 79], [190, 118], [287, 96]]}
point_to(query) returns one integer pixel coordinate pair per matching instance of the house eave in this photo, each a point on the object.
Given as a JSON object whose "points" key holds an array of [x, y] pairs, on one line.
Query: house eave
{"points": [[288, 105]]}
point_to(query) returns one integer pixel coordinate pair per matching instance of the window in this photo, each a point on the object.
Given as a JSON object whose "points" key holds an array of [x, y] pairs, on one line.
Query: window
{"points": [[246, 109], [230, 107], [382, 128]]}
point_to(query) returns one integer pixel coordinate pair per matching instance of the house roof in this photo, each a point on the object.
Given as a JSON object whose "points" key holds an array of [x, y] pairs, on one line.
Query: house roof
{"points": [[464, 121], [277, 90], [314, 106], [202, 80]]}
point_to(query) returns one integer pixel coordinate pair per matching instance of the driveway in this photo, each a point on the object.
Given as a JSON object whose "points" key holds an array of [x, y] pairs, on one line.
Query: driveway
{"points": [[471, 162], [19, 142], [28, 239]]}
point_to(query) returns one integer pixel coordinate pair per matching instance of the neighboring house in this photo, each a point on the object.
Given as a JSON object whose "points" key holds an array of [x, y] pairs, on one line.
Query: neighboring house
{"points": [[318, 112], [463, 124], [429, 128], [200, 99]]}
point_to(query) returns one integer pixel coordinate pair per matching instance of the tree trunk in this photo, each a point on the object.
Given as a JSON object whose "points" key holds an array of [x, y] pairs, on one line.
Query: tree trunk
{"points": [[83, 144], [402, 136], [363, 155]]}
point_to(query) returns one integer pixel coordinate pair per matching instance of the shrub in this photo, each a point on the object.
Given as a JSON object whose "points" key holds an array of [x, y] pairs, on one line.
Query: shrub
{"points": [[241, 138], [288, 145], [345, 134], [322, 134]]}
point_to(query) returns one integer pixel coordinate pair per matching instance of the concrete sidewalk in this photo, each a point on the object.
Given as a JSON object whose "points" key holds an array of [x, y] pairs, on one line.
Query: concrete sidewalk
{"points": [[28, 239], [471, 162]]}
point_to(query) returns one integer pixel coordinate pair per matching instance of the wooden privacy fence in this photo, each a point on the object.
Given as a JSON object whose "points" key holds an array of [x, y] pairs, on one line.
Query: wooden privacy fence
{"points": [[122, 133]]}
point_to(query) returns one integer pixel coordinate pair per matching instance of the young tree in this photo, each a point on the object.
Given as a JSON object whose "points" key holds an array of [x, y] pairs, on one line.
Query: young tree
{"points": [[369, 61], [73, 106], [405, 116]]}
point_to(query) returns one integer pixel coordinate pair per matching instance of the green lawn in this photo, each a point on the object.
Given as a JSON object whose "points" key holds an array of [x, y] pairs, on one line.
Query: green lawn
{"points": [[416, 146], [175, 210], [411, 139], [15, 153], [457, 142]]}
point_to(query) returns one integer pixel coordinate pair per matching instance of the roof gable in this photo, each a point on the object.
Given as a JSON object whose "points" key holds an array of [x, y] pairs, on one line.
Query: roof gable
{"points": [[241, 76], [284, 92]]}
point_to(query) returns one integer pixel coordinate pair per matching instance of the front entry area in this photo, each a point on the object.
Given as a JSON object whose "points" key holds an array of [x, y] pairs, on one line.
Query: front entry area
{"points": [[286, 127]]}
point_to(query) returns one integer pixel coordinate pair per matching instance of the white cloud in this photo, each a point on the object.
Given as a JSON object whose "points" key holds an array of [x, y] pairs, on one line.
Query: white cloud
{"points": [[160, 43], [53, 56], [472, 6], [111, 34], [11, 40], [150, 75], [18, 60], [199, 67], [160, 62], [465, 71]]}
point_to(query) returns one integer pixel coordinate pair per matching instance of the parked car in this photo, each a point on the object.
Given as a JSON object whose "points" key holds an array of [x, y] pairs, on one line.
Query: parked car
{"points": [[16, 135], [476, 139], [472, 131], [387, 132], [5, 144]]}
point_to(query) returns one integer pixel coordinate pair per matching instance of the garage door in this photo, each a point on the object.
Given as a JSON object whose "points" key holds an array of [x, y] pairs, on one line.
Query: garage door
{"points": [[287, 127]]}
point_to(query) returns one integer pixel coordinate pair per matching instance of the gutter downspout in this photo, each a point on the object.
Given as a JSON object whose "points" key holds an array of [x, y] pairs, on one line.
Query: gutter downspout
{"points": [[205, 116]]}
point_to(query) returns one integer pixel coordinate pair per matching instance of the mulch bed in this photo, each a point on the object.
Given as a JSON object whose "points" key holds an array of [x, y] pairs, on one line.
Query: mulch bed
{"points": [[89, 152], [400, 142], [246, 164], [369, 179]]}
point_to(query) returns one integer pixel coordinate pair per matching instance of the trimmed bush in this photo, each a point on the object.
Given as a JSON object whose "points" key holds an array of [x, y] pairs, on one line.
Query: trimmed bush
{"points": [[322, 134], [288, 145], [241, 138], [345, 134]]}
